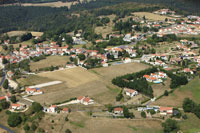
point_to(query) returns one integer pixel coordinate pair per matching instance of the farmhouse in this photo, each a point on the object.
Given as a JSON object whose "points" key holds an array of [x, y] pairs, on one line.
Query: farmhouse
{"points": [[85, 100], [33, 91], [17, 106], [51, 109], [7, 98], [118, 111], [65, 110], [130, 92], [166, 110], [188, 70]]}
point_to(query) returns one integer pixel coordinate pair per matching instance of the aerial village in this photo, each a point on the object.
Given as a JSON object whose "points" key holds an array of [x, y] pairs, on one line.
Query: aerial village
{"points": [[177, 56]]}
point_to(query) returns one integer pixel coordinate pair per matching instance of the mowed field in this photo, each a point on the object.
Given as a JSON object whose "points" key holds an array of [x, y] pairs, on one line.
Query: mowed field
{"points": [[19, 33], [80, 122], [49, 61], [80, 82], [111, 72], [191, 90], [151, 16]]}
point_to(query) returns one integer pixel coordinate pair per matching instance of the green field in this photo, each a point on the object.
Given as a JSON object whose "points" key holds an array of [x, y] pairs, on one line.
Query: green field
{"points": [[194, 87]]}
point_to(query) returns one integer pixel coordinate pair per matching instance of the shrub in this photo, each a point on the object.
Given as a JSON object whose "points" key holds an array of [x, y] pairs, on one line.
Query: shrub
{"points": [[143, 114]]}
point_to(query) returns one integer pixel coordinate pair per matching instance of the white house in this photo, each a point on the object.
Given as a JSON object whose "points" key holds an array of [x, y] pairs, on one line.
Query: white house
{"points": [[127, 60], [17, 106], [85, 100], [33, 91], [118, 110], [166, 110], [130, 92], [52, 109]]}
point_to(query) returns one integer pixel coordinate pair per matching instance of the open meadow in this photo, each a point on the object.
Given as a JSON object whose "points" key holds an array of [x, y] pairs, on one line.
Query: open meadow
{"points": [[19, 33], [81, 122], [175, 99], [95, 83], [49, 61], [151, 16]]}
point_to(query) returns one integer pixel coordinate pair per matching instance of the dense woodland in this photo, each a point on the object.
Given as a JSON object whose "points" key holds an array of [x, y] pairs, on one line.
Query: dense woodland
{"points": [[60, 19]]}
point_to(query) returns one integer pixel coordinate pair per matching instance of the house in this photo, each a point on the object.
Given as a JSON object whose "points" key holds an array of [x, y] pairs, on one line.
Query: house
{"points": [[127, 60], [33, 91], [87, 101], [130, 92], [188, 70], [52, 109], [6, 98], [17, 106], [10, 74], [118, 111], [65, 110], [166, 110]]}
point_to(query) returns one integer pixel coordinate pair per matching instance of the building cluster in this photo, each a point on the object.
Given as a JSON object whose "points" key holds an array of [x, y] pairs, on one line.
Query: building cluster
{"points": [[162, 110], [33, 91], [156, 77], [85, 100], [180, 29], [164, 12]]}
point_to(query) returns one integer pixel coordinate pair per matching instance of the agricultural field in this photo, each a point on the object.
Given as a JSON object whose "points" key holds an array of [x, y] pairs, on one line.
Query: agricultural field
{"points": [[32, 80], [111, 72], [19, 33], [95, 83], [176, 98], [81, 122], [49, 61], [151, 16]]}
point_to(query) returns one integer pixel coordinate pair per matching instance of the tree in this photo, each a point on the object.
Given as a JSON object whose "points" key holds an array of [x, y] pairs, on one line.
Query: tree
{"points": [[127, 114], [13, 99], [33, 126], [5, 61], [152, 111], [143, 114], [26, 127], [36, 107], [188, 105], [4, 104], [170, 126], [81, 57], [5, 84], [14, 120], [68, 131], [166, 93]]}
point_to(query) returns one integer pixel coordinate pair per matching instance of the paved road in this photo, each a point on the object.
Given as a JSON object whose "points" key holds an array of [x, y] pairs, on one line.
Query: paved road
{"points": [[7, 129]]}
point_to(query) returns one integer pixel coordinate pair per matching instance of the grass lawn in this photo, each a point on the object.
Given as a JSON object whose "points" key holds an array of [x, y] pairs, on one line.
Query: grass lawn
{"points": [[190, 125], [49, 61], [194, 87]]}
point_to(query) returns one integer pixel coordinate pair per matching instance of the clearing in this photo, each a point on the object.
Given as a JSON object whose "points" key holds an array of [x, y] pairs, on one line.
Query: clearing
{"points": [[49, 61], [104, 30], [151, 16], [19, 33]]}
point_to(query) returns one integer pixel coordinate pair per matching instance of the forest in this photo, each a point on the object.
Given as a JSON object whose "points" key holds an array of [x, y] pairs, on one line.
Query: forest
{"points": [[61, 19]]}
